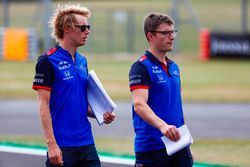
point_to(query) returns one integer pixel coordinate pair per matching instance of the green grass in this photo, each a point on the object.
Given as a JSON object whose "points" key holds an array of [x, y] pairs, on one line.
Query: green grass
{"points": [[16, 80], [222, 151], [213, 81], [213, 151], [216, 81]]}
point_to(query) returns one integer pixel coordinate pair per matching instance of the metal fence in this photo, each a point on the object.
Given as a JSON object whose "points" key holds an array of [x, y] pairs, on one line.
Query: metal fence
{"points": [[117, 25]]}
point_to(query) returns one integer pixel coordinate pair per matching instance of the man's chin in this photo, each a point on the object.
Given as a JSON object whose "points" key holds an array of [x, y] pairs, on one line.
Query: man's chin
{"points": [[169, 49], [81, 44]]}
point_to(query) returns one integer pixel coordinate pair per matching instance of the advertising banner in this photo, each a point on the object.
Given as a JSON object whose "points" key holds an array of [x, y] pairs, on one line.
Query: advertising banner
{"points": [[229, 45]]}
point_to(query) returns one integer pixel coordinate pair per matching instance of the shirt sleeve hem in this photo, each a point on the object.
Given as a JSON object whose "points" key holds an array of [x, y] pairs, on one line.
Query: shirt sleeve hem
{"points": [[35, 87], [138, 87]]}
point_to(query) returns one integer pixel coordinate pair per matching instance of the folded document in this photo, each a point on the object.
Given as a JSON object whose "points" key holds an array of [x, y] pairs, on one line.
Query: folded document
{"points": [[98, 99], [185, 140]]}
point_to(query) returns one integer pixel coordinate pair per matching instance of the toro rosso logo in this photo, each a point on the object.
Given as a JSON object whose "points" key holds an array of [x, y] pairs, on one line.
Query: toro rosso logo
{"points": [[62, 65], [156, 70]]}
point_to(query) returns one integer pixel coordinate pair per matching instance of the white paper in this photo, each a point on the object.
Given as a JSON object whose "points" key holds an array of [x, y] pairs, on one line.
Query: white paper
{"points": [[185, 140], [98, 99]]}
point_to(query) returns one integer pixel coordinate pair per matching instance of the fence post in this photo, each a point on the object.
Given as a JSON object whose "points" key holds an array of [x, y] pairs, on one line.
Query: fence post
{"points": [[6, 19], [1, 43], [244, 15], [131, 31], [175, 15], [47, 12], [110, 32]]}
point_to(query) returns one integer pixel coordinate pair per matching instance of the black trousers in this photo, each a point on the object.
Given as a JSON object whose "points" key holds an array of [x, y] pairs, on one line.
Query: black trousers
{"points": [[85, 156], [160, 158]]}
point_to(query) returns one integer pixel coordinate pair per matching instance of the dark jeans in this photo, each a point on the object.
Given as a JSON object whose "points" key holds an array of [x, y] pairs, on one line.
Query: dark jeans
{"points": [[85, 156], [160, 158]]}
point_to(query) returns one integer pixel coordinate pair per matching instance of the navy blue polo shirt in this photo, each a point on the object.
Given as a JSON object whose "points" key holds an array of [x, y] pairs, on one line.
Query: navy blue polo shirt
{"points": [[67, 81], [164, 98]]}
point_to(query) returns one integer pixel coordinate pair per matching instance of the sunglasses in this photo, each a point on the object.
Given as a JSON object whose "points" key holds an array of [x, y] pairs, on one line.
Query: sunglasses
{"points": [[83, 27]]}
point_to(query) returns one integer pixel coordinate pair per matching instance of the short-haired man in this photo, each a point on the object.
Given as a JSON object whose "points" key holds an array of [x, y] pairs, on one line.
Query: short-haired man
{"points": [[156, 97]]}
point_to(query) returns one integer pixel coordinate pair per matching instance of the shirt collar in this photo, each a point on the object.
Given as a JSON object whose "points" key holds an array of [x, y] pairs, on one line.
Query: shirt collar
{"points": [[65, 52], [154, 59]]}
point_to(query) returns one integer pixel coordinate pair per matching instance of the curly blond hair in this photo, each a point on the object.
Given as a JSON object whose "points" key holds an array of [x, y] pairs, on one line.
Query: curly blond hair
{"points": [[64, 16]]}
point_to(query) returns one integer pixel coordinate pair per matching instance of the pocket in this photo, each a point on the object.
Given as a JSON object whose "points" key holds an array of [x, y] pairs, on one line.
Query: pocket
{"points": [[143, 163]]}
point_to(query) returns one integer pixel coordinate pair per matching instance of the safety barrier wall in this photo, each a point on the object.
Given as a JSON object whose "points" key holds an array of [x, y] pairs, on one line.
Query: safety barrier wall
{"points": [[227, 45], [18, 44]]}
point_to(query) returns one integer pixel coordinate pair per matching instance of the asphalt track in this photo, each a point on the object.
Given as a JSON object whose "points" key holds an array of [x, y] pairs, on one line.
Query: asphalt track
{"points": [[204, 120]]}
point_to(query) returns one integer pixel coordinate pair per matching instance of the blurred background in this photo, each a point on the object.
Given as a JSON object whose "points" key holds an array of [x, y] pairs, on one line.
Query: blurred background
{"points": [[212, 49], [118, 24]]}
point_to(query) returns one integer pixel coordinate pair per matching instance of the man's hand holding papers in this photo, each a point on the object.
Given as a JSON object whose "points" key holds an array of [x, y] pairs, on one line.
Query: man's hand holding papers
{"points": [[185, 140], [108, 117]]}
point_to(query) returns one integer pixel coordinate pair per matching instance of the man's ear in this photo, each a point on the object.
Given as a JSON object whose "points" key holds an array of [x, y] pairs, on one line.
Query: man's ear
{"points": [[149, 35], [67, 29]]}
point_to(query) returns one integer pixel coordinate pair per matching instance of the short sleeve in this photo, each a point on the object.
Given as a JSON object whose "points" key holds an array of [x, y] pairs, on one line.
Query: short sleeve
{"points": [[138, 77], [44, 74]]}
